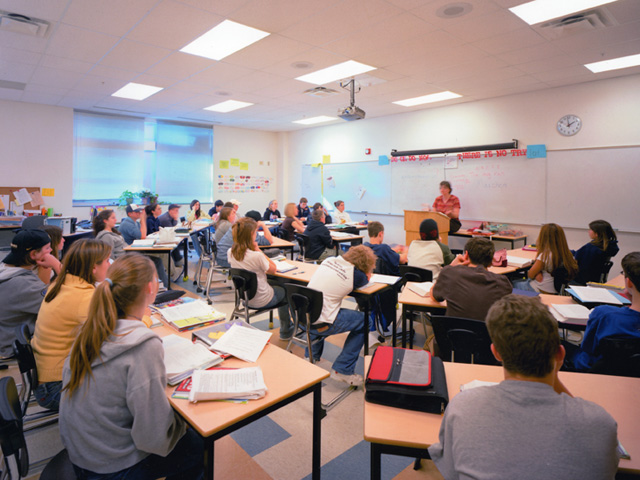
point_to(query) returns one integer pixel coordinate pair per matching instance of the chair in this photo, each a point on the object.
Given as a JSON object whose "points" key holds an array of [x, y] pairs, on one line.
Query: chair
{"points": [[306, 306], [419, 275], [620, 356], [606, 268], [560, 279], [462, 340], [13, 442], [246, 285], [303, 242], [209, 252], [35, 221]]}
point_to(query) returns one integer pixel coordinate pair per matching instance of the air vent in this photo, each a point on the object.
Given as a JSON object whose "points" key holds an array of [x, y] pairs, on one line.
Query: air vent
{"points": [[16, 23], [583, 22], [12, 85], [320, 92], [121, 110]]}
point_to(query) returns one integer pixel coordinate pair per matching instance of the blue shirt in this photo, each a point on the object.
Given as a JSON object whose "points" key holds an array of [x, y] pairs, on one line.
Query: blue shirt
{"points": [[390, 258], [130, 230], [153, 224]]}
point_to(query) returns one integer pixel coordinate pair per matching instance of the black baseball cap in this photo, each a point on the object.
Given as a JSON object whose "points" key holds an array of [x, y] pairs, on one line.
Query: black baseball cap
{"points": [[24, 242], [254, 214]]}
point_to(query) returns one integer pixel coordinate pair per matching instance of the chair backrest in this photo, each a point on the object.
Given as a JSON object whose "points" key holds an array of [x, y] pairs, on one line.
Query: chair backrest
{"points": [[382, 267], [26, 364], [606, 268], [11, 433], [305, 302], [245, 282], [415, 274], [205, 243], [303, 241], [23, 334], [463, 340], [620, 356], [560, 278], [35, 221]]}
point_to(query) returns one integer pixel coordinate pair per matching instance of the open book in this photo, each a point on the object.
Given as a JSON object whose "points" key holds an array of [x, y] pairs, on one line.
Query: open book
{"points": [[191, 314], [182, 357], [572, 313], [283, 266], [241, 383], [421, 289], [597, 295]]}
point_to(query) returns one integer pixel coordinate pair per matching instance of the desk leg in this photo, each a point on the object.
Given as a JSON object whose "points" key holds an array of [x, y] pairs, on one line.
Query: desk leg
{"points": [[209, 446], [366, 328], [317, 426], [185, 253], [404, 326], [376, 460]]}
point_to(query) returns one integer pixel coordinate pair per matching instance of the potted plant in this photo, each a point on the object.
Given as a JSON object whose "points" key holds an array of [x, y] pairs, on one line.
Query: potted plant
{"points": [[126, 198], [147, 197]]}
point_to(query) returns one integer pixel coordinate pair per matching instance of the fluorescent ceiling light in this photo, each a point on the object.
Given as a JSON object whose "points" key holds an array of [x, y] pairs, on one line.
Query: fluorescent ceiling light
{"points": [[314, 120], [614, 64], [136, 91], [224, 39], [434, 97], [228, 106], [542, 10], [336, 72]]}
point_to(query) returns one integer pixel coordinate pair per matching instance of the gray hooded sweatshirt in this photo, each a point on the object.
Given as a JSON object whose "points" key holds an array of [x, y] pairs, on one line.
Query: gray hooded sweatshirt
{"points": [[121, 415], [21, 294]]}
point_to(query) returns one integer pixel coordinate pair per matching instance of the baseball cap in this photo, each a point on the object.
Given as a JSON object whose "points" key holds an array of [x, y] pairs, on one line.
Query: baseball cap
{"points": [[132, 207], [254, 214], [24, 242], [235, 202]]}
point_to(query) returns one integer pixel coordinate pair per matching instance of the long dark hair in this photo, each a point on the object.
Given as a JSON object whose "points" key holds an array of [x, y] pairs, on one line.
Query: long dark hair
{"points": [[193, 202], [55, 234], [603, 230], [99, 221]]}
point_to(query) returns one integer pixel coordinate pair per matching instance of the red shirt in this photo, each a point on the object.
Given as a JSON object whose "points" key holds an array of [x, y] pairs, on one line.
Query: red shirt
{"points": [[439, 205]]}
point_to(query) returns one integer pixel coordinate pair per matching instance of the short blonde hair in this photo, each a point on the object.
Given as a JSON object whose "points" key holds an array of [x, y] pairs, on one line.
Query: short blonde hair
{"points": [[362, 258], [290, 210]]}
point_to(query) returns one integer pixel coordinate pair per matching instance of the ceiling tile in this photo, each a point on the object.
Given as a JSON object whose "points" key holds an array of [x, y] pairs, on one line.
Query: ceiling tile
{"points": [[514, 40], [24, 42], [219, 7], [114, 17], [135, 56], [55, 77], [179, 65], [277, 15], [219, 74], [66, 64], [573, 71], [80, 44], [267, 52], [552, 63], [43, 98], [485, 26], [429, 12], [16, 72], [9, 54]]}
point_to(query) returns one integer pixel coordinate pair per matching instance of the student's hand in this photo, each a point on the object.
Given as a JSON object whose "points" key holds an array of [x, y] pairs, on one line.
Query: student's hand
{"points": [[461, 260], [49, 261], [143, 215]]}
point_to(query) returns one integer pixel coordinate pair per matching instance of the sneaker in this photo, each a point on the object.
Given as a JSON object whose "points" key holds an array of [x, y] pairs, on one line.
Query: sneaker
{"points": [[355, 379]]}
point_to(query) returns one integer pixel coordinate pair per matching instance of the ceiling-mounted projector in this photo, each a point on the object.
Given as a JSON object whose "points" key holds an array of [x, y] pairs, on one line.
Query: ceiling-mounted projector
{"points": [[351, 112]]}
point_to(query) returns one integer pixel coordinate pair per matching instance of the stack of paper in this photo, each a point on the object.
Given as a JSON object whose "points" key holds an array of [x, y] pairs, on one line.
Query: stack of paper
{"points": [[341, 235], [148, 242], [572, 313], [243, 343], [242, 383], [211, 335], [421, 289], [182, 357], [189, 315], [519, 262]]}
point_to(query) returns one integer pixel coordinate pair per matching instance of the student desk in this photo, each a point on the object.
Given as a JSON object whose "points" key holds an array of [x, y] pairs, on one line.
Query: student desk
{"points": [[337, 227], [281, 244], [397, 431], [512, 239], [287, 378], [338, 239], [302, 275]]}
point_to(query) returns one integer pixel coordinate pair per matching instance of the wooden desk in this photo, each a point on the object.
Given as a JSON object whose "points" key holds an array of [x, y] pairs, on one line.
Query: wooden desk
{"points": [[280, 243], [512, 239], [337, 240], [408, 433]]}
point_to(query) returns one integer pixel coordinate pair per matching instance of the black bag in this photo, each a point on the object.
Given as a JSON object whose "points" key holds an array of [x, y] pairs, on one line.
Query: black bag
{"points": [[411, 379]]}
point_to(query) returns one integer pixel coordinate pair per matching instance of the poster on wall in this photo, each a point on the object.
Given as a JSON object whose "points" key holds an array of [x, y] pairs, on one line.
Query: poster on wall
{"points": [[243, 184]]}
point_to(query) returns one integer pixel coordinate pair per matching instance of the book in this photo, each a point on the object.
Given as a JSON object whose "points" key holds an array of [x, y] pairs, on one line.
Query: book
{"points": [[184, 387], [243, 343], [608, 286], [597, 295], [244, 383], [421, 289], [519, 262], [210, 335], [186, 314], [572, 313], [148, 242], [182, 357], [341, 235], [387, 279], [282, 266]]}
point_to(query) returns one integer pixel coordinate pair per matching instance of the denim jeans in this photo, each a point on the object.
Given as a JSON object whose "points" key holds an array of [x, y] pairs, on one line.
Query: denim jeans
{"points": [[347, 321], [523, 285], [48, 395], [279, 294], [184, 462]]}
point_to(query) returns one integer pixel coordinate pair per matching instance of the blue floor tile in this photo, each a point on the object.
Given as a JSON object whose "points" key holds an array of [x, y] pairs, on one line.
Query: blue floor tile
{"points": [[259, 436]]}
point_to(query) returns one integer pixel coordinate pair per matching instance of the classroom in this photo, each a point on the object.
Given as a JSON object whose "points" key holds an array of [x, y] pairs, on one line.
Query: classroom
{"points": [[516, 82]]}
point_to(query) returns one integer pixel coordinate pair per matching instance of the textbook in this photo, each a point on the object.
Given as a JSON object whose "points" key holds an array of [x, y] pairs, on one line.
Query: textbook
{"points": [[421, 289], [283, 266], [596, 295], [186, 313], [572, 313], [243, 383], [519, 262], [387, 279], [182, 357]]}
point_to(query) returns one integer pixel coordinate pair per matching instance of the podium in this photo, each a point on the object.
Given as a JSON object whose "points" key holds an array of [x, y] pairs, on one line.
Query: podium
{"points": [[413, 219]]}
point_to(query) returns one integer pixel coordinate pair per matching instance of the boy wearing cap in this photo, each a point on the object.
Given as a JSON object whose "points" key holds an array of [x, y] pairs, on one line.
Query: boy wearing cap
{"points": [[429, 252], [21, 288], [134, 226]]}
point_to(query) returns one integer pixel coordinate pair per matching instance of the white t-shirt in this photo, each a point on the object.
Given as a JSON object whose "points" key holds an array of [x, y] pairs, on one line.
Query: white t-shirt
{"points": [[546, 284], [341, 217], [426, 254], [255, 262], [334, 278]]}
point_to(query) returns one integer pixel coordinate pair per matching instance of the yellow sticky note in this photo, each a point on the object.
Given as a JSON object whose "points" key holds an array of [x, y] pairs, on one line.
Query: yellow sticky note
{"points": [[48, 192], [315, 165], [326, 158], [244, 166], [224, 164], [235, 162], [215, 335]]}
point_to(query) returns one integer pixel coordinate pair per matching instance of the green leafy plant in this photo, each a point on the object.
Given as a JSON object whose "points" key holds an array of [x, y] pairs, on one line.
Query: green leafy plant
{"points": [[147, 197], [126, 198]]}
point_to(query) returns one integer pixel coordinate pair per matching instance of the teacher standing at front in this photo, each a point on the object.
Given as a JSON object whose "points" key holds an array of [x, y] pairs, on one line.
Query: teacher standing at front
{"points": [[449, 205]]}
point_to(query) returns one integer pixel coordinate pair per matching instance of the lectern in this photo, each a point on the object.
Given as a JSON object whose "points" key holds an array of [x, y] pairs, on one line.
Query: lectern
{"points": [[413, 219]]}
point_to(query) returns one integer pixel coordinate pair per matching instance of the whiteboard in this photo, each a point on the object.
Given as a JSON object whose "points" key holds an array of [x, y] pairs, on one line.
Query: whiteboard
{"points": [[415, 183], [364, 186], [601, 183]]}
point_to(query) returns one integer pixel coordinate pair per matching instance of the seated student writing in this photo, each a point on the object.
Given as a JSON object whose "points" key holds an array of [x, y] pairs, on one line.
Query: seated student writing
{"points": [[23, 283], [528, 426], [115, 418], [592, 256], [327, 217], [64, 310], [336, 277], [554, 259], [291, 224], [226, 242], [429, 252], [303, 209], [608, 320], [245, 254], [320, 241], [272, 212], [466, 284]]}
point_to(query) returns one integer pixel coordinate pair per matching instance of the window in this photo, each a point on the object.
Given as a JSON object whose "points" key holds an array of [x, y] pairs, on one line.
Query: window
{"points": [[113, 154]]}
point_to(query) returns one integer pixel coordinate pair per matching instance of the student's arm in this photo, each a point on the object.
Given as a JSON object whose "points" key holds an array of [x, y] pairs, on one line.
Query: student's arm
{"points": [[536, 270], [143, 225], [360, 279], [48, 263], [326, 238], [272, 266], [267, 233], [441, 286], [298, 226]]}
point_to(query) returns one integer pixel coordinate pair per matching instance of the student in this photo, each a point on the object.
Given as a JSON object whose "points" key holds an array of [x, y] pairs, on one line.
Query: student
{"points": [[303, 209], [195, 213], [429, 252], [215, 210], [528, 426], [336, 277], [115, 418], [291, 224], [170, 217], [57, 240], [320, 243], [467, 286], [236, 204], [153, 213], [340, 214], [272, 212], [64, 310], [449, 205], [245, 254], [327, 217], [226, 218], [391, 257], [592, 256], [226, 242], [134, 225], [22, 286], [554, 258], [608, 320]]}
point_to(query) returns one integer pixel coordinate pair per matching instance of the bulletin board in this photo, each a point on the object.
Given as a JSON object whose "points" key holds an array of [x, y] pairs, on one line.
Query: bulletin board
{"points": [[4, 191]]}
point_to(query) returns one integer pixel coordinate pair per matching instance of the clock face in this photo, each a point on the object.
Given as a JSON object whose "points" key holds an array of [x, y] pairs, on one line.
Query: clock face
{"points": [[569, 125]]}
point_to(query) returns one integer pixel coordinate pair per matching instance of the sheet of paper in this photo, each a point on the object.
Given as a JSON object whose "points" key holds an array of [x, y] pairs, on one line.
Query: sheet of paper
{"points": [[182, 355], [243, 343], [48, 192], [596, 295], [22, 196], [387, 279], [36, 199]]}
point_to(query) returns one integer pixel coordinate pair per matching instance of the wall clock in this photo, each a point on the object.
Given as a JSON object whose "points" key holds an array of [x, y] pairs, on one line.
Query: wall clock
{"points": [[569, 125]]}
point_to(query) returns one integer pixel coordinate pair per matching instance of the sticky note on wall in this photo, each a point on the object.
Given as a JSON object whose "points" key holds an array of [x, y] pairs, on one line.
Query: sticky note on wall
{"points": [[244, 166], [48, 192], [224, 164], [326, 159], [235, 162]]}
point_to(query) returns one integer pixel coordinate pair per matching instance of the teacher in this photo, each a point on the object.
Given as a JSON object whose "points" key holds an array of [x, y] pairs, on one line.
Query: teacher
{"points": [[449, 205]]}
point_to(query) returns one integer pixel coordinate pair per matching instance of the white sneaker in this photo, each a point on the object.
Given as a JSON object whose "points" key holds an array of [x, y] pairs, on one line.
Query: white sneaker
{"points": [[355, 379]]}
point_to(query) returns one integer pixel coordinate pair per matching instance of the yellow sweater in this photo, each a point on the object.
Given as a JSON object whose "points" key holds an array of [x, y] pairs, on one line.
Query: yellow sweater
{"points": [[58, 325]]}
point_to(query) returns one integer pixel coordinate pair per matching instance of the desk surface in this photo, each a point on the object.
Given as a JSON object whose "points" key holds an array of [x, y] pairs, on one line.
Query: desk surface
{"points": [[278, 243], [617, 395], [468, 233]]}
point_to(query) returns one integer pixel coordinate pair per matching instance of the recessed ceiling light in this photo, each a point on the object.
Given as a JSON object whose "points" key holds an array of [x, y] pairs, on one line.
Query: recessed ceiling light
{"points": [[136, 91], [614, 64], [542, 10], [314, 120], [224, 39], [336, 72], [228, 106], [434, 97]]}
